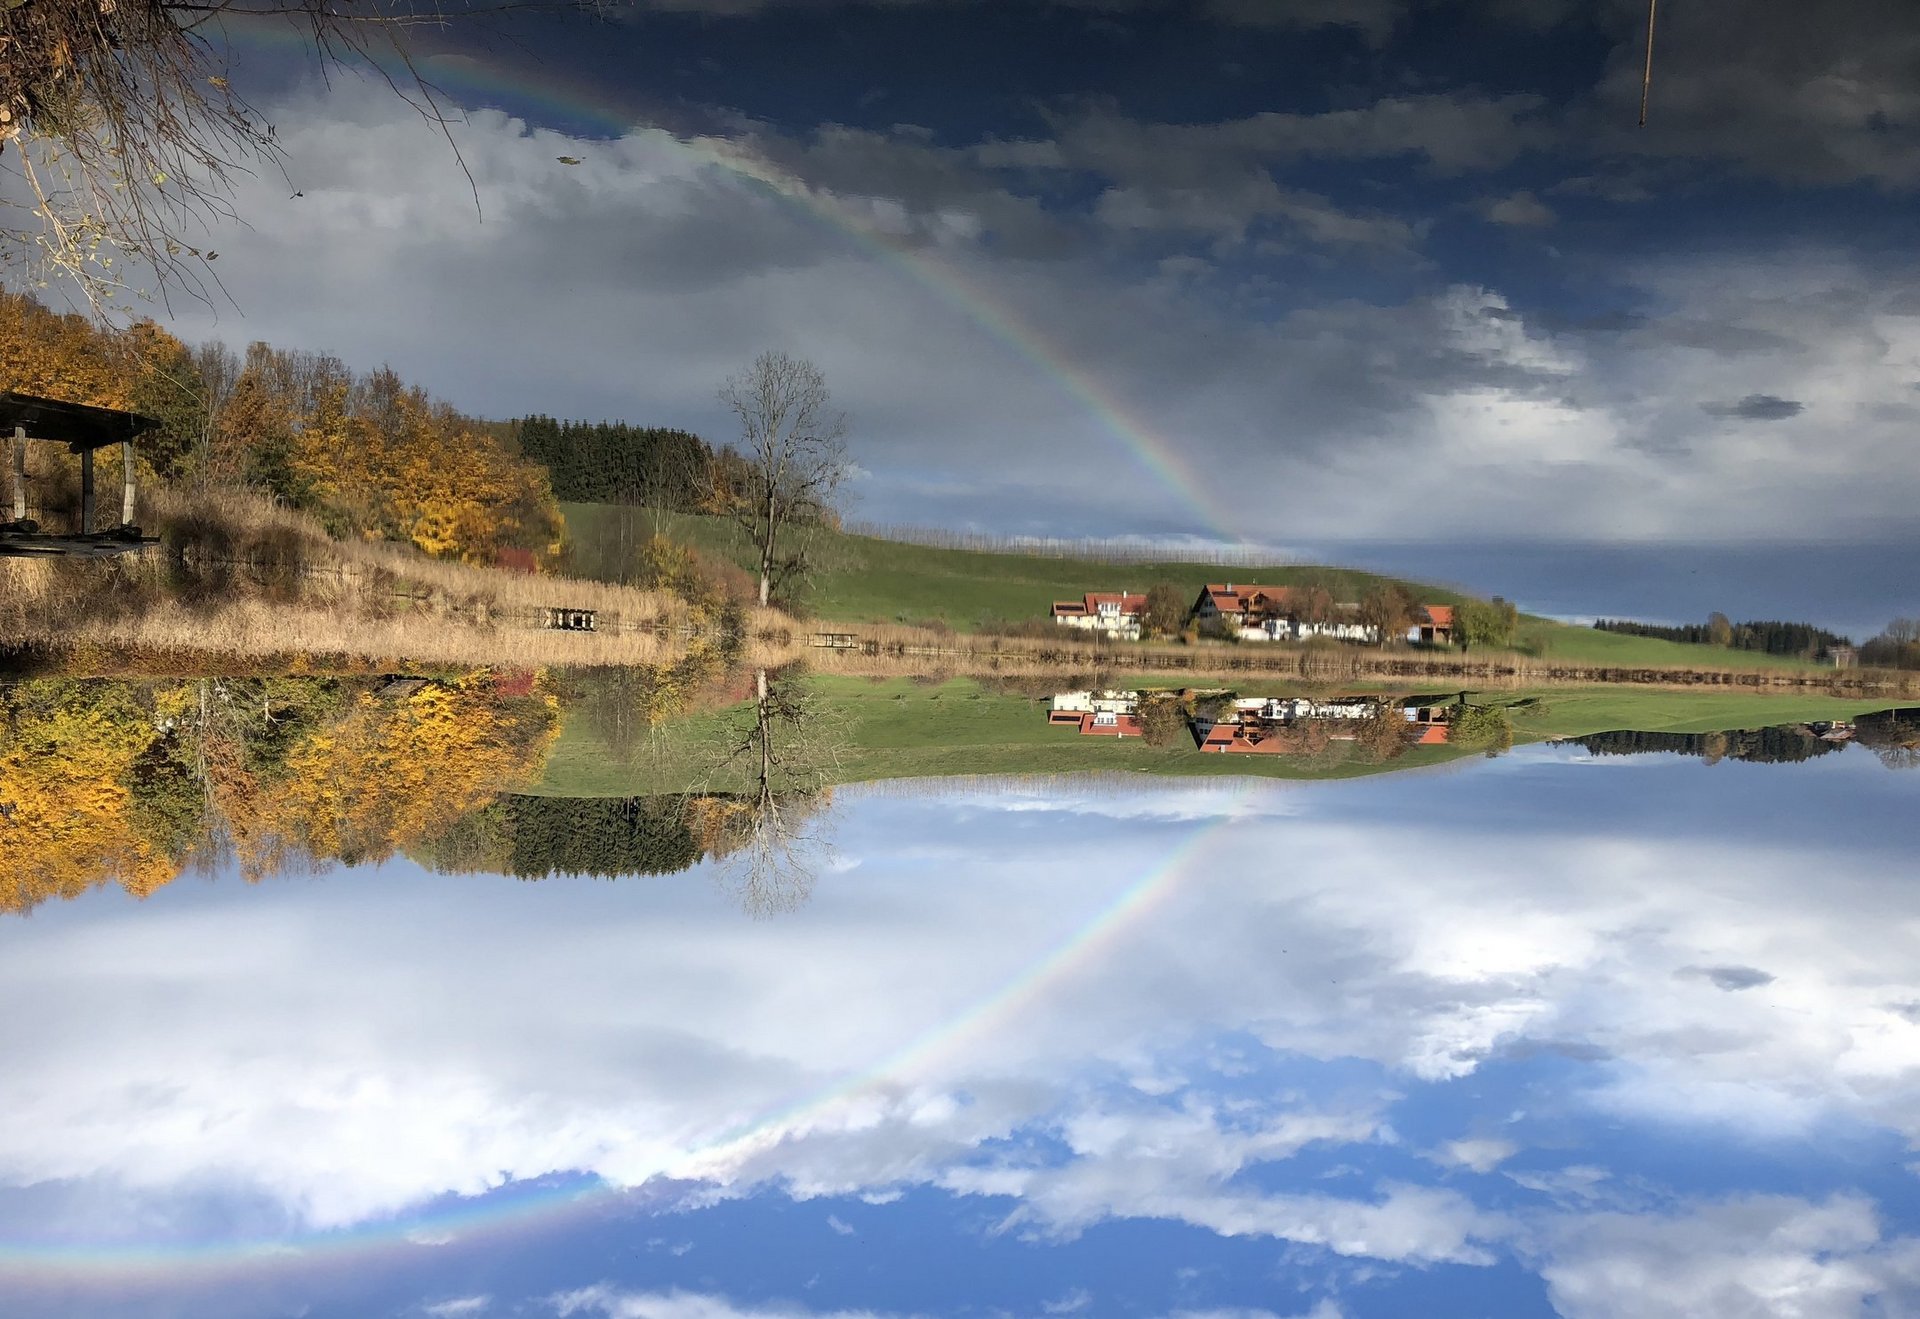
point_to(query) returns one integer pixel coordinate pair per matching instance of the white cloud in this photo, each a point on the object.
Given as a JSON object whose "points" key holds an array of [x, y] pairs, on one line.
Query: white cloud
{"points": [[1753, 1257], [458, 1307], [1183, 1166], [1476, 1153], [1381, 941], [1520, 210], [1324, 1310], [610, 1302], [1071, 1302]]}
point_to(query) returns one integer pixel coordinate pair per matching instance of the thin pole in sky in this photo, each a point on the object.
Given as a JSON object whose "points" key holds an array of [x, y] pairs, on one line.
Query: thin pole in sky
{"points": [[1646, 77]]}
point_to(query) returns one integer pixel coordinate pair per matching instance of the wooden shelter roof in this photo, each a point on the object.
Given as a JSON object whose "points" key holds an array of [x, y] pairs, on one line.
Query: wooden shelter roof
{"points": [[80, 427]]}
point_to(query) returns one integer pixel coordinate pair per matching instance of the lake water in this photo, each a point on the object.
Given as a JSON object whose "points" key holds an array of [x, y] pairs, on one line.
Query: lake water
{"points": [[1556, 1032]]}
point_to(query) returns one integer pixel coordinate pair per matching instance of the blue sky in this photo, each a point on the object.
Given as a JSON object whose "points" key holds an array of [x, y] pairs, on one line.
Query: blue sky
{"points": [[1550, 1034], [1349, 280]]}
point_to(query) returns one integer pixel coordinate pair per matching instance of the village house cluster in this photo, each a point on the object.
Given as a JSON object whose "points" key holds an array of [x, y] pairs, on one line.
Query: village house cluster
{"points": [[1249, 613], [1223, 723]]}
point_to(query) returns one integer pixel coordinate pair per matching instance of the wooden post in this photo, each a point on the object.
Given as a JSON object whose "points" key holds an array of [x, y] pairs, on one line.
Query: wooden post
{"points": [[19, 473], [126, 483], [86, 491]]}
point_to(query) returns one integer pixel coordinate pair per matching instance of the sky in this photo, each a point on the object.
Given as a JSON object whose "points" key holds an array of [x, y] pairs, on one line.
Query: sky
{"points": [[1548, 1034], [1395, 280]]}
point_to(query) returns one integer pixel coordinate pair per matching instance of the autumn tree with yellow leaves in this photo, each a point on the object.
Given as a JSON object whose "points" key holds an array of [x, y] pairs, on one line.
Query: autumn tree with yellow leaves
{"points": [[369, 455]]}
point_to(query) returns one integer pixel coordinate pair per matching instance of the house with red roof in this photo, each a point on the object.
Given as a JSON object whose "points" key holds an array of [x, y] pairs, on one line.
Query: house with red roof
{"points": [[1243, 606], [1272, 613], [1110, 613], [1432, 625]]}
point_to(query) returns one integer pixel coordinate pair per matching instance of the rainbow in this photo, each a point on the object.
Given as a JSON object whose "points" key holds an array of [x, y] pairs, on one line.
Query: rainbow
{"points": [[552, 1202], [478, 81]]}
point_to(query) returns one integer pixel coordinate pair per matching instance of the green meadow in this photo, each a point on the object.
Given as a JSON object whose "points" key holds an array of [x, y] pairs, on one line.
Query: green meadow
{"points": [[899, 728], [867, 580], [863, 579]]}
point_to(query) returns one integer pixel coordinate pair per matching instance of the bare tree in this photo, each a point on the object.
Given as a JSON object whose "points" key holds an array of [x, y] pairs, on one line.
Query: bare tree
{"points": [[794, 445], [126, 135]]}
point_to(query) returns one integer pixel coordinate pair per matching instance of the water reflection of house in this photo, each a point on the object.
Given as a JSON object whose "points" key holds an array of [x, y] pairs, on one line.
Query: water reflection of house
{"points": [[1079, 703], [1105, 723], [1264, 725], [1429, 721], [1097, 714], [1112, 613], [1269, 725]]}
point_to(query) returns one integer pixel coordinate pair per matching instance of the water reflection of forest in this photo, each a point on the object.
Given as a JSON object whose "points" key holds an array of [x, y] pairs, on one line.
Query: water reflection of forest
{"points": [[1892, 735], [137, 783]]}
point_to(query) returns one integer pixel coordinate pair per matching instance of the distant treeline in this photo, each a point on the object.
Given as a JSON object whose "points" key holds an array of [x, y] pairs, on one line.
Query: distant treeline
{"points": [[1774, 638], [611, 462], [1897, 646], [1762, 746]]}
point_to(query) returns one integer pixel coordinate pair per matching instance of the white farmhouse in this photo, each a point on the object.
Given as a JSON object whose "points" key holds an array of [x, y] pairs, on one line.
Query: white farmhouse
{"points": [[1110, 613]]}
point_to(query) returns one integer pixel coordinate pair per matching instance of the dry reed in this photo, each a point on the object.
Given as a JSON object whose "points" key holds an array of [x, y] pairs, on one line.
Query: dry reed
{"points": [[247, 578]]}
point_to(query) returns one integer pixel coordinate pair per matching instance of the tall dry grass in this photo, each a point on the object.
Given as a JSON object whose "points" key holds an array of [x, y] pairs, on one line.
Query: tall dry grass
{"points": [[235, 575]]}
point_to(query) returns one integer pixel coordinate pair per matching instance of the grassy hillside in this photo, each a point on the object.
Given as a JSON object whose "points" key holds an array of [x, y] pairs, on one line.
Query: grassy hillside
{"points": [[897, 728], [1547, 639], [865, 580]]}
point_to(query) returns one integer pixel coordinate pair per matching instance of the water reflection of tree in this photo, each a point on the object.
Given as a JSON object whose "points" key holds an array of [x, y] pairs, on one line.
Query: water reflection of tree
{"points": [[1892, 735], [625, 706], [772, 836], [1484, 728]]}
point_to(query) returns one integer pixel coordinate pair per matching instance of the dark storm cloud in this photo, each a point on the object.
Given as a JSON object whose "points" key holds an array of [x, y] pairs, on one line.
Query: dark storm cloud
{"points": [[1452, 133], [1294, 280], [1730, 978], [1757, 407], [1819, 103], [1212, 183], [1374, 19]]}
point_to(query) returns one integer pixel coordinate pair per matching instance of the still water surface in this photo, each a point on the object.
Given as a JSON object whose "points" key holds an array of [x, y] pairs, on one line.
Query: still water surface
{"points": [[1555, 1033]]}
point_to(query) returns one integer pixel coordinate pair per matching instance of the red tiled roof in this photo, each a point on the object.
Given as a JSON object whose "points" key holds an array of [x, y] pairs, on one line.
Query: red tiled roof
{"points": [[1432, 735], [1124, 726], [1232, 599], [1091, 602], [1238, 739], [1439, 615]]}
